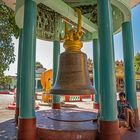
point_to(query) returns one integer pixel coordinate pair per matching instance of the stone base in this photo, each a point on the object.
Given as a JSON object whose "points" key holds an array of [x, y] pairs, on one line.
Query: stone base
{"points": [[27, 129], [16, 115], [137, 121], [67, 135], [95, 105], [109, 130], [66, 124], [56, 106]]}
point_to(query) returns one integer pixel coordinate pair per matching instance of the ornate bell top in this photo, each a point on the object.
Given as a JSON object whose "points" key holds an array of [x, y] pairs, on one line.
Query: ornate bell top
{"points": [[72, 38]]}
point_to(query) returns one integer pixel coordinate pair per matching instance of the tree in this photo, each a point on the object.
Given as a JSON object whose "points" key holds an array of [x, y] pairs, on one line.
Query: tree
{"points": [[38, 65], [8, 29], [137, 63], [5, 81]]}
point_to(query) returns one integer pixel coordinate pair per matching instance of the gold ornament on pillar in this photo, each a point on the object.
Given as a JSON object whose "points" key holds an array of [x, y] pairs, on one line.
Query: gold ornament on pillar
{"points": [[73, 76]]}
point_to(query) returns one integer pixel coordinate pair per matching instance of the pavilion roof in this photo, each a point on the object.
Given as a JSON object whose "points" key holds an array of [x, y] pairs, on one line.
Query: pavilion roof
{"points": [[134, 3], [12, 3]]}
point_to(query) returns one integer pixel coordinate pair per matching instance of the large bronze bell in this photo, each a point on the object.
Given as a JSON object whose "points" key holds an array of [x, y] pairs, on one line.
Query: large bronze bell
{"points": [[73, 76]]}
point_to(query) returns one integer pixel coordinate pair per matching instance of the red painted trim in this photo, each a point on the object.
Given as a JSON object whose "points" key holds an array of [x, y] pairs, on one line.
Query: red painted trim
{"points": [[4, 92], [109, 130], [81, 97], [27, 129], [67, 97], [92, 97], [56, 106], [16, 115], [11, 106], [95, 105]]}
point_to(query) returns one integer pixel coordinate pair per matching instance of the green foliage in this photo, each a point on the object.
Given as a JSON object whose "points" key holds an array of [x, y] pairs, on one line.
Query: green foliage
{"points": [[137, 63], [8, 29], [5, 80], [7, 21], [38, 65]]}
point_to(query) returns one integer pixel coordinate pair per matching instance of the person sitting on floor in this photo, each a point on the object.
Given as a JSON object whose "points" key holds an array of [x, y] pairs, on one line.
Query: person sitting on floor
{"points": [[125, 112]]}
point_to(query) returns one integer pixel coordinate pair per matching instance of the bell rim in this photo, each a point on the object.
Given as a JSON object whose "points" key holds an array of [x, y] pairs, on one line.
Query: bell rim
{"points": [[72, 92]]}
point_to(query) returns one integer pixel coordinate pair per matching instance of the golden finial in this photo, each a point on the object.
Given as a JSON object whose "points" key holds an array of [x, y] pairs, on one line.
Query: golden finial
{"points": [[72, 38]]}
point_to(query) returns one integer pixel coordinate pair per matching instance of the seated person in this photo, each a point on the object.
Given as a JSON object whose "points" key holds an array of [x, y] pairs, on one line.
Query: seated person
{"points": [[125, 111]]}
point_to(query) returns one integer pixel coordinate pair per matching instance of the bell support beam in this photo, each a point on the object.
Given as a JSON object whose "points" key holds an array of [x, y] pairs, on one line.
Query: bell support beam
{"points": [[128, 53], [56, 53], [18, 92], [134, 3], [109, 126], [27, 119], [96, 57]]}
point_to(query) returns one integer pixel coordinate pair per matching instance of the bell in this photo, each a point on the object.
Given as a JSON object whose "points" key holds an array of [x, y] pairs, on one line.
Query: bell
{"points": [[73, 76]]}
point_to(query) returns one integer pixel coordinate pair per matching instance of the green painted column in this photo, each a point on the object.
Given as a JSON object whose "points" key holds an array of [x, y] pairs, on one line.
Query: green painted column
{"points": [[107, 69], [96, 80], [27, 120], [18, 92], [109, 128], [56, 53], [128, 53]]}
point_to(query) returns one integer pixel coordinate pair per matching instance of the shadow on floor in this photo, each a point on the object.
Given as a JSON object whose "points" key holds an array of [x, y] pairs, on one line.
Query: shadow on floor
{"points": [[8, 130], [128, 135]]}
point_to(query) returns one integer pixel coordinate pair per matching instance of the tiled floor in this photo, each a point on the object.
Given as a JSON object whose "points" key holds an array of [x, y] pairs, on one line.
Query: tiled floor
{"points": [[131, 135], [8, 129]]}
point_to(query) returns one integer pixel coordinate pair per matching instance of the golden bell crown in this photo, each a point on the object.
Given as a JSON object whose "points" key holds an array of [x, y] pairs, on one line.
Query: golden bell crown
{"points": [[72, 38]]}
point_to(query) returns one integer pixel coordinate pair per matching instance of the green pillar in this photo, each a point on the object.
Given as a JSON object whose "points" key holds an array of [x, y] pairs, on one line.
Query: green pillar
{"points": [[27, 121], [56, 53], [109, 128], [128, 53], [18, 92], [96, 57]]}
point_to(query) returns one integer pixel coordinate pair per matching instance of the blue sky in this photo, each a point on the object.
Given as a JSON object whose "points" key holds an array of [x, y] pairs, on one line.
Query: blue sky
{"points": [[44, 49], [136, 35]]}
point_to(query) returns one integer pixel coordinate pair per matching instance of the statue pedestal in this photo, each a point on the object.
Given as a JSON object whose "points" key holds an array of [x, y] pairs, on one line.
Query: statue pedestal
{"points": [[66, 124]]}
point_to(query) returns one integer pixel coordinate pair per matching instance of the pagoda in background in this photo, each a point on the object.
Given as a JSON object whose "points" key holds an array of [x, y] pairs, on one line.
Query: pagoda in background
{"points": [[119, 66]]}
